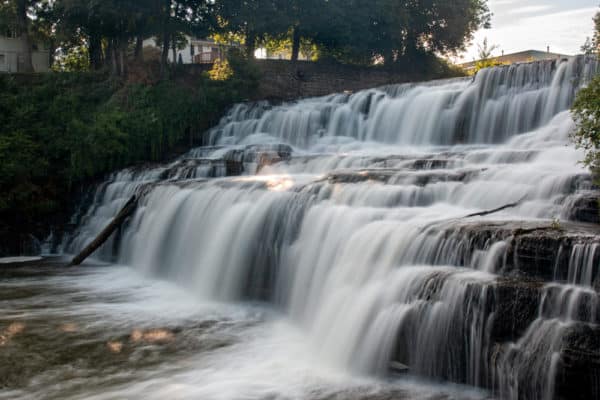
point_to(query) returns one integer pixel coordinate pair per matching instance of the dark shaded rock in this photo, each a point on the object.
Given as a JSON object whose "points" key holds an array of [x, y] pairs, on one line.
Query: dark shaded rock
{"points": [[394, 176], [432, 164], [586, 208], [578, 375], [514, 305], [535, 250]]}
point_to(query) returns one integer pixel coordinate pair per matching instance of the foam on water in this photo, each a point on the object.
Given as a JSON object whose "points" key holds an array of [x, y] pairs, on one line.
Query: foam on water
{"points": [[218, 352]]}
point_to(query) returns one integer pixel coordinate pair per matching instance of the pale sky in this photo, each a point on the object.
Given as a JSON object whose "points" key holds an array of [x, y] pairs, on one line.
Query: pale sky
{"points": [[534, 24]]}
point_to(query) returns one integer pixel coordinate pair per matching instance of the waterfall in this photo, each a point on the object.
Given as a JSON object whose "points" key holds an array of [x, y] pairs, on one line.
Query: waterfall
{"points": [[349, 213]]}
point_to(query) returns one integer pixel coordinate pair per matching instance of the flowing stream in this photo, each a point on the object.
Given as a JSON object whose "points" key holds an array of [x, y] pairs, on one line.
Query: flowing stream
{"points": [[328, 240]]}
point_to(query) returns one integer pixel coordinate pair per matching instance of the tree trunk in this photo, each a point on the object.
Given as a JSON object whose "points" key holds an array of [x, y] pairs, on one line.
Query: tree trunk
{"points": [[96, 57], [138, 54], [388, 58], [166, 36], [123, 57], [174, 49], [296, 43], [108, 58], [164, 58], [250, 44], [112, 56], [51, 52], [23, 26]]}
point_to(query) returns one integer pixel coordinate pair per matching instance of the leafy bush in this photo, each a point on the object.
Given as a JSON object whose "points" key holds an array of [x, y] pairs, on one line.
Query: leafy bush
{"points": [[586, 112], [63, 129]]}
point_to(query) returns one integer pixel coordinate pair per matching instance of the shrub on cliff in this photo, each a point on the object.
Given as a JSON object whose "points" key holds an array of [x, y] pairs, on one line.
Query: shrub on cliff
{"points": [[60, 130], [586, 113]]}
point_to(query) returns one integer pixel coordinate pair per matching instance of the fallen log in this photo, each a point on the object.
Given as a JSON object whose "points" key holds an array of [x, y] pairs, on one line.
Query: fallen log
{"points": [[103, 236], [495, 210], [477, 214]]}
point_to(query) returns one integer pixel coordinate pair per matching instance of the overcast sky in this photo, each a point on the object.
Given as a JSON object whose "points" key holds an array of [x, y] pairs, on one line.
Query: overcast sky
{"points": [[534, 24]]}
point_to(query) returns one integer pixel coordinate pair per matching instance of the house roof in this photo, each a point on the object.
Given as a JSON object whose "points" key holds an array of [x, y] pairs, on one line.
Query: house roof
{"points": [[521, 56]]}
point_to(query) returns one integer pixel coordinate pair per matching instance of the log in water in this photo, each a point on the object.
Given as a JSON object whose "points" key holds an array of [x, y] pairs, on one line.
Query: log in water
{"points": [[103, 236]]}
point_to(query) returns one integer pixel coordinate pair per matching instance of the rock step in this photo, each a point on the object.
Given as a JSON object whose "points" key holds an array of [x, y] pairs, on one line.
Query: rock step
{"points": [[402, 177], [567, 252], [586, 208], [498, 337], [578, 375]]}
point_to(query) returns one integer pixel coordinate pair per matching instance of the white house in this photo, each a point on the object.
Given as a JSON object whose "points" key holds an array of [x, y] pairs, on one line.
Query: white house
{"points": [[196, 51], [12, 50]]}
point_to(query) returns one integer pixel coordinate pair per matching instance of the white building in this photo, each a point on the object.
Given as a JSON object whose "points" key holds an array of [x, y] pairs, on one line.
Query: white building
{"points": [[196, 51], [12, 55]]}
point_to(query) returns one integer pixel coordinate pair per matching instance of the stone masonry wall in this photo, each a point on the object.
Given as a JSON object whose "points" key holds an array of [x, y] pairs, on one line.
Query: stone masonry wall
{"points": [[283, 80]]}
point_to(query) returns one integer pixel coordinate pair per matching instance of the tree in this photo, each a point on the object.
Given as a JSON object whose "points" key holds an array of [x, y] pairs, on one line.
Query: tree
{"points": [[485, 52], [82, 22], [399, 32], [300, 19], [404, 33], [179, 18], [254, 20], [8, 17], [112, 29], [592, 45], [586, 112]]}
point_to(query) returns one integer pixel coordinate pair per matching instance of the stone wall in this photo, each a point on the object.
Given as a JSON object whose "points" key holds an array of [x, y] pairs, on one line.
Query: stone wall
{"points": [[283, 80]]}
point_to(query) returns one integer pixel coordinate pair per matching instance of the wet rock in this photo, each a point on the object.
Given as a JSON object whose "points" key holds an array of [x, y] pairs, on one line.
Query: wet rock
{"points": [[513, 306], [396, 176], [578, 375], [202, 168], [586, 208], [535, 250], [432, 164]]}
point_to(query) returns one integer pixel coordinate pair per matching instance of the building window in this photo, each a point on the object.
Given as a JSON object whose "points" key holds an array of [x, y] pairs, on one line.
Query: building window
{"points": [[2, 59]]}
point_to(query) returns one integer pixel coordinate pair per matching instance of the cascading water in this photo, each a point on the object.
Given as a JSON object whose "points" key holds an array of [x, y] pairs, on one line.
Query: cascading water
{"points": [[350, 213]]}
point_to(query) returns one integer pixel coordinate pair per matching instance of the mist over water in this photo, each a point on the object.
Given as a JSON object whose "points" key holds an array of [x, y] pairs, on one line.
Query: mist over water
{"points": [[348, 216]]}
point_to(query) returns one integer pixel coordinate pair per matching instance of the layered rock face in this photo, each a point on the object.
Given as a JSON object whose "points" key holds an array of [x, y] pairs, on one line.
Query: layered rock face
{"points": [[447, 227]]}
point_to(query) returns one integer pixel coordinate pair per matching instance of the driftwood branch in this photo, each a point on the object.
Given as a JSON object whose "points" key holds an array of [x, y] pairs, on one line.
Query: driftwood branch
{"points": [[495, 210], [117, 221]]}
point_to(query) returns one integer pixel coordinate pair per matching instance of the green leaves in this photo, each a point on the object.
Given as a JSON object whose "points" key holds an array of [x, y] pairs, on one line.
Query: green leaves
{"points": [[60, 130], [586, 113]]}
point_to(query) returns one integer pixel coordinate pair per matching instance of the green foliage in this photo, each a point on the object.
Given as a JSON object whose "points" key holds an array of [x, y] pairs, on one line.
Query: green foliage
{"points": [[592, 45], [488, 63], [485, 51], [221, 71], [8, 17], [555, 224], [77, 59], [59, 130], [586, 112], [358, 31], [398, 32], [349, 31]]}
